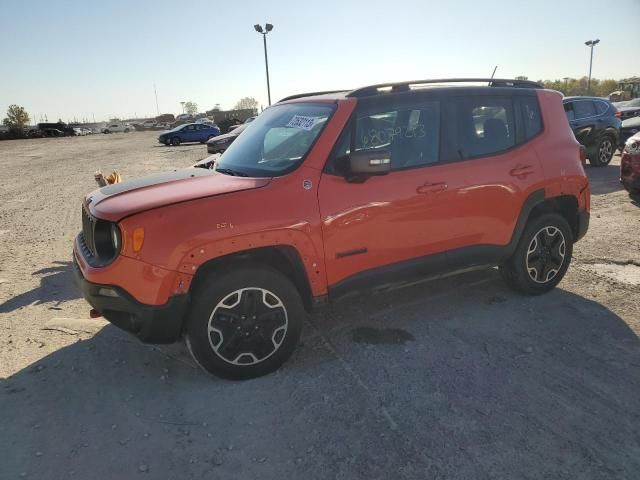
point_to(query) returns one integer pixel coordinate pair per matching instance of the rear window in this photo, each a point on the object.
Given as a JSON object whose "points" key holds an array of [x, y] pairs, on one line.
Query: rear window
{"points": [[480, 125]]}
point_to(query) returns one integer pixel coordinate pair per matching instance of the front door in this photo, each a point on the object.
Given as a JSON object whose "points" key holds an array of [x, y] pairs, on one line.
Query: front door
{"points": [[390, 220]]}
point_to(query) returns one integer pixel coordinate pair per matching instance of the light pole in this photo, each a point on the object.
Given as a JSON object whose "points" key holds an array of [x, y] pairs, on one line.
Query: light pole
{"points": [[182, 103], [590, 44], [267, 28]]}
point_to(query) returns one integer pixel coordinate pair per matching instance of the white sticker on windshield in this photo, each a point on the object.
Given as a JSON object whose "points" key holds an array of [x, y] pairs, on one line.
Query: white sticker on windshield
{"points": [[300, 121]]}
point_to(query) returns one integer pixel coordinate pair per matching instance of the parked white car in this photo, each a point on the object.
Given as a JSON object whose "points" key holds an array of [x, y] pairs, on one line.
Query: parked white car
{"points": [[79, 132], [149, 124], [117, 127]]}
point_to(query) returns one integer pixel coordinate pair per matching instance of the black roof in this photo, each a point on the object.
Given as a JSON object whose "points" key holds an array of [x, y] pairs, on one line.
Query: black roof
{"points": [[406, 86], [409, 85]]}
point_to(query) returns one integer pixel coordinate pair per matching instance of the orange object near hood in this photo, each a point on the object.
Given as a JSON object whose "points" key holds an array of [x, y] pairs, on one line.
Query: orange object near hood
{"points": [[121, 200]]}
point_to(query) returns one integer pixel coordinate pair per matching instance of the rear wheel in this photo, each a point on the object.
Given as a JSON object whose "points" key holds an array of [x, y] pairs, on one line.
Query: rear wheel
{"points": [[106, 131], [542, 256], [175, 141], [245, 323], [603, 152]]}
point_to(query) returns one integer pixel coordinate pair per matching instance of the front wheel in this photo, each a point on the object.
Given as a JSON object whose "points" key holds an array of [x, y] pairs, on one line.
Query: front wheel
{"points": [[106, 132], [542, 256], [603, 153], [126, 130], [175, 141], [245, 323]]}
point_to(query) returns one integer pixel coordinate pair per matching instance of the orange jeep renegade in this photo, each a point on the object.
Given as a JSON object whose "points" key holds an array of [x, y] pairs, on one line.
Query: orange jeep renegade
{"points": [[335, 192]]}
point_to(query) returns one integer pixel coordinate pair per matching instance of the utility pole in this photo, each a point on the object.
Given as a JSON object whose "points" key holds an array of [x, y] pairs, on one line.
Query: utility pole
{"points": [[156, 93], [590, 44], [267, 28]]}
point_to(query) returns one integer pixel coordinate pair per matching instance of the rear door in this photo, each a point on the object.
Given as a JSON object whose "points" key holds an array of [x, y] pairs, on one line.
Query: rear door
{"points": [[201, 132], [582, 116], [189, 133], [490, 138]]}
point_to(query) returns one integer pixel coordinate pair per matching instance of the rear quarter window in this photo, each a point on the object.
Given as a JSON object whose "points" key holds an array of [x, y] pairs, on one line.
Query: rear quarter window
{"points": [[529, 112], [601, 107]]}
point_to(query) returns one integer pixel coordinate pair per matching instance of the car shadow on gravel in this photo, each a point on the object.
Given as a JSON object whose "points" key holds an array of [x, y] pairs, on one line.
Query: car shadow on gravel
{"points": [[458, 378], [56, 285], [605, 179]]}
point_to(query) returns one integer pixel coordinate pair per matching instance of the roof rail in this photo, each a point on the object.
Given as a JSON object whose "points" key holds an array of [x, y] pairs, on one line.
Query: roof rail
{"points": [[310, 94], [406, 86]]}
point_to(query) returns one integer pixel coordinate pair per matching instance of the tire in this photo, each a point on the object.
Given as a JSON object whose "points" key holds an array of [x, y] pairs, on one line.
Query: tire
{"points": [[126, 130], [603, 153], [106, 132], [175, 141], [254, 346], [542, 256]]}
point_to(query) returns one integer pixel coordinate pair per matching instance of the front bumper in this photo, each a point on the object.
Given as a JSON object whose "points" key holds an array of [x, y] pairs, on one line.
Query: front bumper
{"points": [[150, 323], [625, 135]]}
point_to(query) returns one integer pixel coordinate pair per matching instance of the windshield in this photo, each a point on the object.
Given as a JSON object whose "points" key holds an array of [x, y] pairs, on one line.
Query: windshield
{"points": [[277, 141]]}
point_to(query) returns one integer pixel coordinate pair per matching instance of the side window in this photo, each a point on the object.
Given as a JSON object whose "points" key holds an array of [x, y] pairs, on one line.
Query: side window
{"points": [[530, 112], [481, 125], [583, 109], [410, 133], [601, 107]]}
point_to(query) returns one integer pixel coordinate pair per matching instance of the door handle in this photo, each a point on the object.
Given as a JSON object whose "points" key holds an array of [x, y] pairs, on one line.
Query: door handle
{"points": [[431, 188], [522, 171]]}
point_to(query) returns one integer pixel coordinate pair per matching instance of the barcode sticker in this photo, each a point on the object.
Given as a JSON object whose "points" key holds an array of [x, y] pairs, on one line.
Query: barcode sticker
{"points": [[300, 121]]}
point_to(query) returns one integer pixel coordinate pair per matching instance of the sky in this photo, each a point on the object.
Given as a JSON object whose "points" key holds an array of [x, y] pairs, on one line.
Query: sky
{"points": [[88, 59]]}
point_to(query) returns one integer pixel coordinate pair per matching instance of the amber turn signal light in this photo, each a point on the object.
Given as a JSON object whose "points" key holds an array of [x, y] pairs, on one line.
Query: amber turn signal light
{"points": [[138, 239]]}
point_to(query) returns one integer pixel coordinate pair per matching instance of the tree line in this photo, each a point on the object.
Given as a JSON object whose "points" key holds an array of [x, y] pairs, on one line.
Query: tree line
{"points": [[578, 86]]}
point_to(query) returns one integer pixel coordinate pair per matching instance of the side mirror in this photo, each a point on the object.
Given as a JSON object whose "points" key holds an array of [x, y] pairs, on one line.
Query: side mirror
{"points": [[370, 162]]}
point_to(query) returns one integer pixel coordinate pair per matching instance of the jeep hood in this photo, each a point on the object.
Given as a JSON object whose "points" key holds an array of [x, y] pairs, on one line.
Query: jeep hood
{"points": [[120, 200]]}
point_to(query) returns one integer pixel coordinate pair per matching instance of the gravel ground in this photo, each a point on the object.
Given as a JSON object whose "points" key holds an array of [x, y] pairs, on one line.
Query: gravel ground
{"points": [[455, 379]]}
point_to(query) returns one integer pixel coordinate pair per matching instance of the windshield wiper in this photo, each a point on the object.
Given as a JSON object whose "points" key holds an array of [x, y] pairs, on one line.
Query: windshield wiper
{"points": [[233, 173]]}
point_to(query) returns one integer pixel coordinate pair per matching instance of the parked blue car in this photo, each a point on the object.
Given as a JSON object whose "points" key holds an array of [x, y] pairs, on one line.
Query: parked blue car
{"points": [[190, 132]]}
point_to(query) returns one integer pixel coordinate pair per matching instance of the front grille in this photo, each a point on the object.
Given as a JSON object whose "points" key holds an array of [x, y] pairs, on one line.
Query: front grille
{"points": [[99, 240], [88, 234]]}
